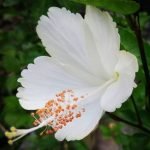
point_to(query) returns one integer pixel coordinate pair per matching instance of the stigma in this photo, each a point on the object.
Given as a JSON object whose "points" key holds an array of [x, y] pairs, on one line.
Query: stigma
{"points": [[56, 114]]}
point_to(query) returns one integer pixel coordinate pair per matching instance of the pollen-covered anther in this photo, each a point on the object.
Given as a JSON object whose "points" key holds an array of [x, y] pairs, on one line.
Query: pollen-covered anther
{"points": [[75, 99], [61, 110], [78, 115], [12, 135], [10, 142], [50, 131]]}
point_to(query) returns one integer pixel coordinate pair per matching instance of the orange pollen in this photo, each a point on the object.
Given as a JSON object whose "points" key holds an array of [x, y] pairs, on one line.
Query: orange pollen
{"points": [[75, 99], [60, 111]]}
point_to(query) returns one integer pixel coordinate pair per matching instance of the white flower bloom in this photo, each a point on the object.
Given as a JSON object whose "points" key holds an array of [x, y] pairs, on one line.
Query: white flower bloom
{"points": [[86, 75]]}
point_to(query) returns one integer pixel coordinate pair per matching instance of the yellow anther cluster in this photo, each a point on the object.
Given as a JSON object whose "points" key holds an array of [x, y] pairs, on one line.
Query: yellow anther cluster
{"points": [[12, 129], [11, 134], [10, 142]]}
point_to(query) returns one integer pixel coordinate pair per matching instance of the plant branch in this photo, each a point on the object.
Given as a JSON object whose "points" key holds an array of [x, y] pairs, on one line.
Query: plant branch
{"points": [[2, 128], [128, 122], [137, 112], [135, 25], [62, 145]]}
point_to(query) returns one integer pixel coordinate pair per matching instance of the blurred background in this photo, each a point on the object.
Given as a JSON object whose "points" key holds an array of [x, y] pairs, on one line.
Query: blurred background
{"points": [[19, 45]]}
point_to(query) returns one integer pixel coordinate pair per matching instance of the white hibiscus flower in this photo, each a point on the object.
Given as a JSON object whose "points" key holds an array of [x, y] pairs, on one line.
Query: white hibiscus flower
{"points": [[86, 75]]}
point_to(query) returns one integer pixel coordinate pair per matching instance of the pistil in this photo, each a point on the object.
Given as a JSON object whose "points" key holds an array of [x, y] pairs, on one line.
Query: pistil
{"points": [[56, 114]]}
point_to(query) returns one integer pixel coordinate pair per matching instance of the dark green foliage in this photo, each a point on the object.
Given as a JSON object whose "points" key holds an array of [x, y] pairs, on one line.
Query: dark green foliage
{"points": [[119, 6]]}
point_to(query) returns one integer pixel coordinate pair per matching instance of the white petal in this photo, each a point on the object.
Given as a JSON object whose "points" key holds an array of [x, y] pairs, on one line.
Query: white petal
{"points": [[120, 91], [117, 93], [81, 127], [67, 37], [43, 80], [127, 63], [105, 35]]}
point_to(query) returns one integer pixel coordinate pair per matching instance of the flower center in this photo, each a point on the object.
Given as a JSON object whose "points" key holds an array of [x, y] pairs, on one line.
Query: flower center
{"points": [[59, 111]]}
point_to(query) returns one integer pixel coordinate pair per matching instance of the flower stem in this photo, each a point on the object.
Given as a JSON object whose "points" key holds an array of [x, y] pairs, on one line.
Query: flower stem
{"points": [[128, 122], [137, 112], [135, 25], [62, 145]]}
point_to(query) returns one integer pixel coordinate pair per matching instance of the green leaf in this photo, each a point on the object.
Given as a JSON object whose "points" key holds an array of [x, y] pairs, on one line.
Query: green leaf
{"points": [[74, 7], [40, 7], [14, 114], [106, 132], [77, 145], [119, 6], [142, 142], [8, 3], [11, 82], [145, 118], [128, 41], [144, 19], [45, 142], [147, 51], [10, 63]]}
